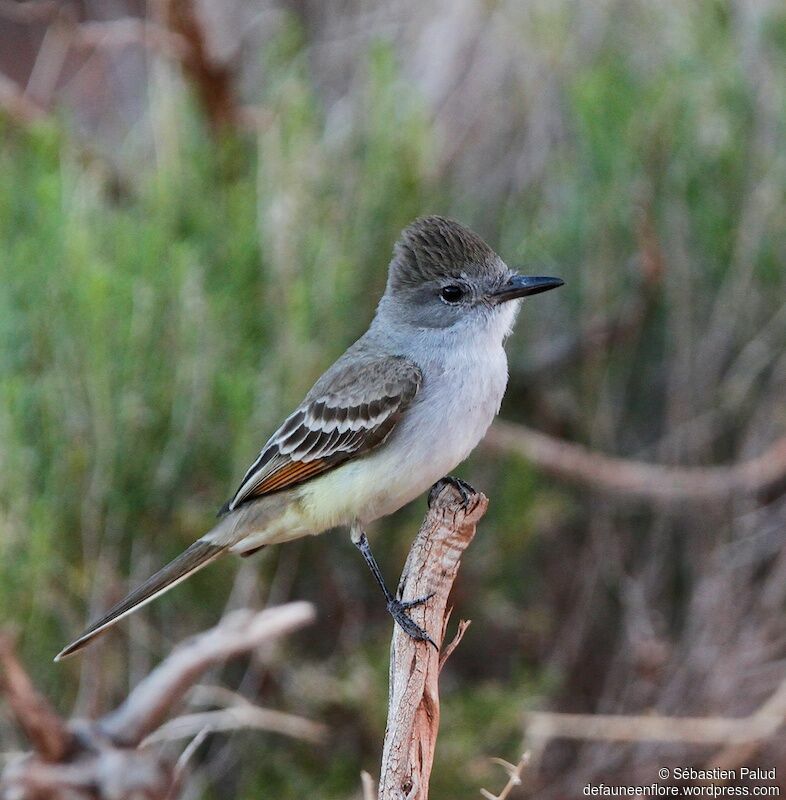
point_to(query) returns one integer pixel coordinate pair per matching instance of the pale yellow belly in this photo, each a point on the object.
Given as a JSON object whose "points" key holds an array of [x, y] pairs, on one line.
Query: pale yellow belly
{"points": [[436, 434]]}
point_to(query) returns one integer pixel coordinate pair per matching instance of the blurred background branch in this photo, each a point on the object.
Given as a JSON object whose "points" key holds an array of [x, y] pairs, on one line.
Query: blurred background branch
{"points": [[515, 772], [103, 758], [652, 482]]}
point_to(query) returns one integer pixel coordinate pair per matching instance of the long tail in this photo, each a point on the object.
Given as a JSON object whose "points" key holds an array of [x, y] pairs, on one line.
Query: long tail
{"points": [[199, 555]]}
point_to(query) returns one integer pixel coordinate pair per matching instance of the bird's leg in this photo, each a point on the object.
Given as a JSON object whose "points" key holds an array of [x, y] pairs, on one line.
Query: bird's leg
{"points": [[396, 608]]}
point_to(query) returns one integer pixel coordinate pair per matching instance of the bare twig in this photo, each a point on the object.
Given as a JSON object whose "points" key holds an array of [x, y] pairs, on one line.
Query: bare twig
{"points": [[448, 651], [103, 773], [235, 711], [182, 762], [654, 483], [413, 711], [20, 108], [369, 790], [147, 705], [98, 760], [182, 38], [42, 725], [51, 57], [213, 81], [515, 771], [543, 726], [117, 33], [230, 719]]}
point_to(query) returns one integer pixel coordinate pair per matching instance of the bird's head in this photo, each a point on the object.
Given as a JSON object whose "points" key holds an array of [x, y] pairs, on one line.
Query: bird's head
{"points": [[442, 275]]}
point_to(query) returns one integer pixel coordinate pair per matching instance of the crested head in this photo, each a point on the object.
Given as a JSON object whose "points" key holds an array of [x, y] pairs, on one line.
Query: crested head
{"points": [[444, 276], [435, 248]]}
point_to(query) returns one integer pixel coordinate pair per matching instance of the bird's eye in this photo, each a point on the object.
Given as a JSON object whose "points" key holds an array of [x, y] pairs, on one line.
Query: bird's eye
{"points": [[451, 293]]}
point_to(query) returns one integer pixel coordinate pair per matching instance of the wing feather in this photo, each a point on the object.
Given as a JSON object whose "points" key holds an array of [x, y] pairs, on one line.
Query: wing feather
{"points": [[352, 409], [288, 475]]}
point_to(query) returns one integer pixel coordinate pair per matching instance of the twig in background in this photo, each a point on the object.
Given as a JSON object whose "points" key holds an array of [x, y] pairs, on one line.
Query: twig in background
{"points": [[231, 719], [655, 483], [367, 786], [20, 108], [179, 36], [515, 771], [544, 726], [413, 708], [127, 31], [144, 709], [213, 81], [101, 759], [181, 764], [36, 717], [235, 711]]}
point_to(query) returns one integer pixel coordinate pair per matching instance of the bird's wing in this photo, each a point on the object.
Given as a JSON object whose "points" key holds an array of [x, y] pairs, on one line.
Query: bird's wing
{"points": [[352, 409]]}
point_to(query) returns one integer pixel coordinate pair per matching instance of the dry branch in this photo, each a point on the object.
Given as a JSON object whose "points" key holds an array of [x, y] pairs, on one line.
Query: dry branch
{"points": [[17, 105], [515, 772], [117, 33], [544, 726], [181, 36], [213, 81], [654, 483], [80, 759], [36, 717], [413, 710], [147, 705], [235, 718]]}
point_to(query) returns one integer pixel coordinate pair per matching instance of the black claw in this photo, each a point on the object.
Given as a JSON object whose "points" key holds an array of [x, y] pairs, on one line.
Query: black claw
{"points": [[434, 491], [462, 487], [398, 609], [465, 490], [419, 602]]}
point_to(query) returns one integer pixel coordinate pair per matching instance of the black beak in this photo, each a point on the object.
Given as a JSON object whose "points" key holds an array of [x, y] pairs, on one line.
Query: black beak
{"points": [[523, 286]]}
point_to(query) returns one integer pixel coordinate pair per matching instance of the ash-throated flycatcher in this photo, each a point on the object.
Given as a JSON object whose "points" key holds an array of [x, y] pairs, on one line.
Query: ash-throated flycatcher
{"points": [[401, 408]]}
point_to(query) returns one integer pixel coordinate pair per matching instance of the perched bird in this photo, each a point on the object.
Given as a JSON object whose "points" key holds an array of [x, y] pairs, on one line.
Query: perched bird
{"points": [[398, 410]]}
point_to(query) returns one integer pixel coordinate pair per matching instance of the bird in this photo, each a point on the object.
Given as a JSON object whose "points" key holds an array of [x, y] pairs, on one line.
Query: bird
{"points": [[400, 409]]}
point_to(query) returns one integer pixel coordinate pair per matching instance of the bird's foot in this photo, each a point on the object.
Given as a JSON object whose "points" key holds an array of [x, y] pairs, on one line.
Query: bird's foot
{"points": [[462, 487], [398, 610]]}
